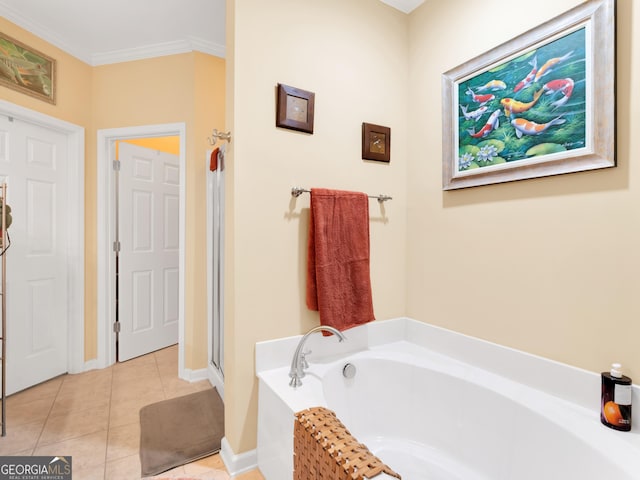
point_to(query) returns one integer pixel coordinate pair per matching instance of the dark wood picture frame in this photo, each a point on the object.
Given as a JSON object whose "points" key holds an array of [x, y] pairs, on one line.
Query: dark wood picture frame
{"points": [[376, 142], [295, 108]]}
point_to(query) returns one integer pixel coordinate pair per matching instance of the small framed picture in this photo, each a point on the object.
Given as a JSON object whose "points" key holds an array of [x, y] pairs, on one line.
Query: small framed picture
{"points": [[376, 142], [295, 108]]}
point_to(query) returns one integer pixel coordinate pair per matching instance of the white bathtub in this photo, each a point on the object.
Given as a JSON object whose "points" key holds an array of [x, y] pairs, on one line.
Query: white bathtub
{"points": [[436, 405]]}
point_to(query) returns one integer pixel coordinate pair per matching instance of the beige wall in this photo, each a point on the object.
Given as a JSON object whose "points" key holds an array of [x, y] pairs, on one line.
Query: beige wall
{"points": [[545, 265], [177, 88], [549, 266], [73, 79], [353, 55]]}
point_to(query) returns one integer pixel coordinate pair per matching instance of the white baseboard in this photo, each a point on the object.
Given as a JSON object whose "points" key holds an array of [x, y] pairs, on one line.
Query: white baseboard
{"points": [[91, 365], [194, 375], [216, 379], [237, 464]]}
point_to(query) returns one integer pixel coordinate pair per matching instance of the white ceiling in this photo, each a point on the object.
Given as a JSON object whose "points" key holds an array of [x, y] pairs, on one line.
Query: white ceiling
{"points": [[111, 31]]}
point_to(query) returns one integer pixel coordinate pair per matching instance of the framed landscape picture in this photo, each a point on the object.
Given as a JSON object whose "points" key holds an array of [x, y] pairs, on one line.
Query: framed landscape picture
{"points": [[534, 106], [27, 70]]}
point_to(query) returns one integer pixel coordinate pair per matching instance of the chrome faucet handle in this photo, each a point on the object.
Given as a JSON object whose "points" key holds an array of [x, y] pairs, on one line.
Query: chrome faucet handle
{"points": [[299, 361], [303, 359]]}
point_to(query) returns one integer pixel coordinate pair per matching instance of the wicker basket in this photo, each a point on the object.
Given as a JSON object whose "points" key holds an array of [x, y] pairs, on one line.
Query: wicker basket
{"points": [[325, 450]]}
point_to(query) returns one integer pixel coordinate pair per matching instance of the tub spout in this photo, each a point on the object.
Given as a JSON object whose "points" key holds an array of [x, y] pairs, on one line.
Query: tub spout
{"points": [[299, 362]]}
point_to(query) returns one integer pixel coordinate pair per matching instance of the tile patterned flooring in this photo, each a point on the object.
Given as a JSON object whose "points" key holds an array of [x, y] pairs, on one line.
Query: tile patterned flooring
{"points": [[93, 417]]}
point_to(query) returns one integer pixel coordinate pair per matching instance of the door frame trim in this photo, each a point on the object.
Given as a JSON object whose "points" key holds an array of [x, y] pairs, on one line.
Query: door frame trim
{"points": [[76, 206], [106, 234]]}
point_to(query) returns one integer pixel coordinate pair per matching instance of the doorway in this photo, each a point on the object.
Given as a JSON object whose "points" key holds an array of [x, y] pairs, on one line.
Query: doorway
{"points": [[42, 162], [147, 245], [108, 235]]}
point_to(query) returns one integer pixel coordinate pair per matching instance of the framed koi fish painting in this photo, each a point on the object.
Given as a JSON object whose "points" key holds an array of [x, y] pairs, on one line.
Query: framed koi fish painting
{"points": [[27, 70], [541, 104]]}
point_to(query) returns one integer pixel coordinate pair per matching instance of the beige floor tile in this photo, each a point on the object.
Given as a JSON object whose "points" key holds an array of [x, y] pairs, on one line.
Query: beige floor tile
{"points": [[208, 475], [211, 475], [134, 362], [212, 461], [177, 472], [136, 374], [252, 475], [94, 417], [125, 412], [176, 387], [43, 390], [24, 453], [86, 451], [167, 355], [101, 384], [87, 379], [168, 370], [74, 424], [35, 410], [133, 386], [20, 438], [127, 468], [123, 441], [209, 464], [89, 473], [81, 397]]}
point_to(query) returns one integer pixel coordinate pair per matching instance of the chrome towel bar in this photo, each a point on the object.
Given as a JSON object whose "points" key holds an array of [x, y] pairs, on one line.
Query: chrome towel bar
{"points": [[297, 191]]}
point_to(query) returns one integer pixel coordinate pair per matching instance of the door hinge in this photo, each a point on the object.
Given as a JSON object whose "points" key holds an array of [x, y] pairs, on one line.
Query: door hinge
{"points": [[116, 327], [116, 246], [116, 165]]}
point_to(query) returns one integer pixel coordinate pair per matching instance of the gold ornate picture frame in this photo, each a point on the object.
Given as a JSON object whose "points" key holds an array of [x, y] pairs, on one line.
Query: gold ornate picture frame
{"points": [[26, 70]]}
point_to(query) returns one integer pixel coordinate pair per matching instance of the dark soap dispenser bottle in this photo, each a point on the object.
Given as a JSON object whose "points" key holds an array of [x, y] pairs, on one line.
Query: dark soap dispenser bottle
{"points": [[615, 407]]}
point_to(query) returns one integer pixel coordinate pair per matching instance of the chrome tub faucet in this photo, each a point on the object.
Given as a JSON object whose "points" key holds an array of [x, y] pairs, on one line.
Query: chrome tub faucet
{"points": [[299, 361]]}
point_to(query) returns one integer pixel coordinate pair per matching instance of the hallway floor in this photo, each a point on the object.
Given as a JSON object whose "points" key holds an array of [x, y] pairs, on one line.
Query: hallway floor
{"points": [[93, 417]]}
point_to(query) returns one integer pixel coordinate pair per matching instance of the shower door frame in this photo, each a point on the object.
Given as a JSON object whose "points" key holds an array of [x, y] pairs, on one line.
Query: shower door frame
{"points": [[215, 275]]}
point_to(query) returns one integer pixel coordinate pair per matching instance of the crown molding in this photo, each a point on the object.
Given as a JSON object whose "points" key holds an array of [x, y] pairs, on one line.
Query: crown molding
{"points": [[405, 6], [187, 45], [158, 50], [43, 32]]}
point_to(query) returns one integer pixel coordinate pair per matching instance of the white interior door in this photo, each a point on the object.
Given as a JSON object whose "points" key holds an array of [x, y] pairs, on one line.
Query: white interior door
{"points": [[148, 263], [33, 163]]}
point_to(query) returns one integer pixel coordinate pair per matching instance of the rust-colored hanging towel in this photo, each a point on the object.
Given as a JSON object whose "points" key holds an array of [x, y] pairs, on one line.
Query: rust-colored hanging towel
{"points": [[213, 161], [338, 275]]}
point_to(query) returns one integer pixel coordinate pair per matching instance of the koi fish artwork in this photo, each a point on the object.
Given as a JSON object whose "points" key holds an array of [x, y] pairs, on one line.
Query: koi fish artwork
{"points": [[490, 126], [565, 86], [481, 99], [528, 80], [474, 115], [527, 127], [548, 67], [514, 106], [492, 85]]}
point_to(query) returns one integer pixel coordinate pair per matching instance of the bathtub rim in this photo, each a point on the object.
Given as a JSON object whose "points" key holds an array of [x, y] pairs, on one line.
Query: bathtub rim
{"points": [[566, 382]]}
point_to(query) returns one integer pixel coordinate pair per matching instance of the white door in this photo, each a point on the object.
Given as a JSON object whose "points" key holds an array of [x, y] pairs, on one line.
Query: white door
{"points": [[33, 163], [148, 277]]}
